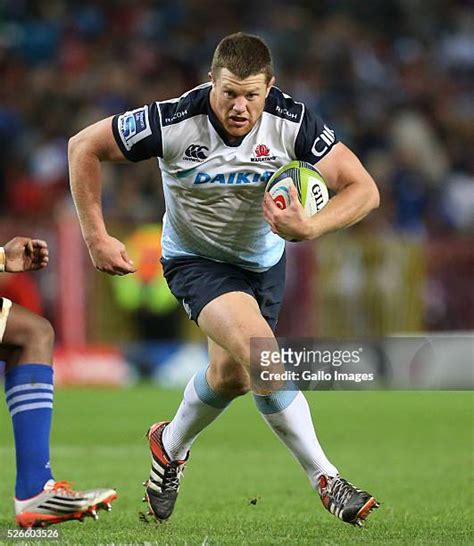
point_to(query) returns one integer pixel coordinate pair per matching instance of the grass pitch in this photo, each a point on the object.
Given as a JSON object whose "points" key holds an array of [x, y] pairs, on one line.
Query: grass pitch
{"points": [[413, 450]]}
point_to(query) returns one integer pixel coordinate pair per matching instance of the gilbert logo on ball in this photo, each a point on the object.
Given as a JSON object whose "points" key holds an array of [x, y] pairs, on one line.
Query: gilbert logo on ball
{"points": [[312, 190]]}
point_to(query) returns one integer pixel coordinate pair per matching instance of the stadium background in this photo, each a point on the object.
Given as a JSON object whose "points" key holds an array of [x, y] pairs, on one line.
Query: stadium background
{"points": [[393, 78]]}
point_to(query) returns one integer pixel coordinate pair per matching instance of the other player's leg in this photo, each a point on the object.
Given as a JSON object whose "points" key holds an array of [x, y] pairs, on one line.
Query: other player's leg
{"points": [[27, 348]]}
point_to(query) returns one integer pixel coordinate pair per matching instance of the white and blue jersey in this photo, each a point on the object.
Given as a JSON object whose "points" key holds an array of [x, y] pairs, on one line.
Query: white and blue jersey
{"points": [[213, 187]]}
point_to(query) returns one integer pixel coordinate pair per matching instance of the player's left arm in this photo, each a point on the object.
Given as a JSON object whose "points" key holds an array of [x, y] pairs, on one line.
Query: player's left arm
{"points": [[356, 194], [24, 254]]}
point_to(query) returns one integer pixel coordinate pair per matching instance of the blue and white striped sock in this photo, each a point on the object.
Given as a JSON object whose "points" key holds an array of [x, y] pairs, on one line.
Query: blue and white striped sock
{"points": [[29, 396]]}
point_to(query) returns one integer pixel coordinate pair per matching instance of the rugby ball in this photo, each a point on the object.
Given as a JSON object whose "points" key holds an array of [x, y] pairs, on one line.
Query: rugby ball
{"points": [[312, 190]]}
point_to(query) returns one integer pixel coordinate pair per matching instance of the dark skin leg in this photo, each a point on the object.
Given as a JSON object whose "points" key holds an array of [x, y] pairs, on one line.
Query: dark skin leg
{"points": [[28, 339]]}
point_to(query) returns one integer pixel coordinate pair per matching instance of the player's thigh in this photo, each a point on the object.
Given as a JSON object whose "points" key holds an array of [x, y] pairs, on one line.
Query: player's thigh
{"points": [[232, 320], [225, 375]]}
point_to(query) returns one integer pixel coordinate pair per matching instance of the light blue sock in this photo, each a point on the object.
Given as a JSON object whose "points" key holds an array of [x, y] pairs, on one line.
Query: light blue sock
{"points": [[206, 394], [288, 415], [29, 396], [199, 407], [275, 402]]}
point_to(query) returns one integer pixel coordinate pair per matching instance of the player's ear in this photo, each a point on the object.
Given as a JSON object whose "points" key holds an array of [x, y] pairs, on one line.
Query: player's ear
{"points": [[270, 85], [211, 77]]}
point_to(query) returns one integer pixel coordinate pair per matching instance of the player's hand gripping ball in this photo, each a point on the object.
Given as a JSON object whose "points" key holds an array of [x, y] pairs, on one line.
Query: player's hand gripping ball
{"points": [[312, 190]]}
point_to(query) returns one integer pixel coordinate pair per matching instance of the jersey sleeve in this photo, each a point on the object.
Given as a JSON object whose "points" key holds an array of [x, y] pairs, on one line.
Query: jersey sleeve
{"points": [[138, 133], [315, 139]]}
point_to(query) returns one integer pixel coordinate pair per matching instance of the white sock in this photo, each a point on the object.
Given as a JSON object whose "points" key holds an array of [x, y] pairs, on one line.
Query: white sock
{"points": [[199, 407], [294, 426]]}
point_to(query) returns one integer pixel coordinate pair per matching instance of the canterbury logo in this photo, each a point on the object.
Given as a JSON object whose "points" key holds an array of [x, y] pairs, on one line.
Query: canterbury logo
{"points": [[196, 152]]}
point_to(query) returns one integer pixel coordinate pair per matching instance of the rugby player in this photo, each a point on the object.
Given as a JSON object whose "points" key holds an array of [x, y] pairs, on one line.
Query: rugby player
{"points": [[217, 145], [26, 347]]}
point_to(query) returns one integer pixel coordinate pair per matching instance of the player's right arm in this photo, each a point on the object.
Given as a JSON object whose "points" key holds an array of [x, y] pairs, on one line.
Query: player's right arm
{"points": [[23, 254], [86, 151]]}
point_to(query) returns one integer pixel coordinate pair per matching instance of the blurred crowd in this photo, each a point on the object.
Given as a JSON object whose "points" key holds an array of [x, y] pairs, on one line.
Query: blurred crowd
{"points": [[394, 78]]}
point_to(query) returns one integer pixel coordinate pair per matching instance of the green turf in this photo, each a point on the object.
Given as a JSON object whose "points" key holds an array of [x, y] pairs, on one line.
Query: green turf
{"points": [[413, 450]]}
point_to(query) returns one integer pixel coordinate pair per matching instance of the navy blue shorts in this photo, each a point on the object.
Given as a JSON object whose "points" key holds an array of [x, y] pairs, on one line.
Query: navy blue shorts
{"points": [[196, 281]]}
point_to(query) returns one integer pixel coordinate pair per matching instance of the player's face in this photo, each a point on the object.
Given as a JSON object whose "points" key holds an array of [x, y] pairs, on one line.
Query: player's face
{"points": [[238, 104]]}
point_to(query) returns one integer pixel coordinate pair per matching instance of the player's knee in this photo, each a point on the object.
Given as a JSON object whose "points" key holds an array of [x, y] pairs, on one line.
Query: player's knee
{"points": [[241, 352], [248, 351], [46, 333], [38, 332]]}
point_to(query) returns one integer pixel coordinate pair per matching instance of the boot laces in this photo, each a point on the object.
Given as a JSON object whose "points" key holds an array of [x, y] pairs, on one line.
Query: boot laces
{"points": [[172, 476], [341, 491], [65, 487]]}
